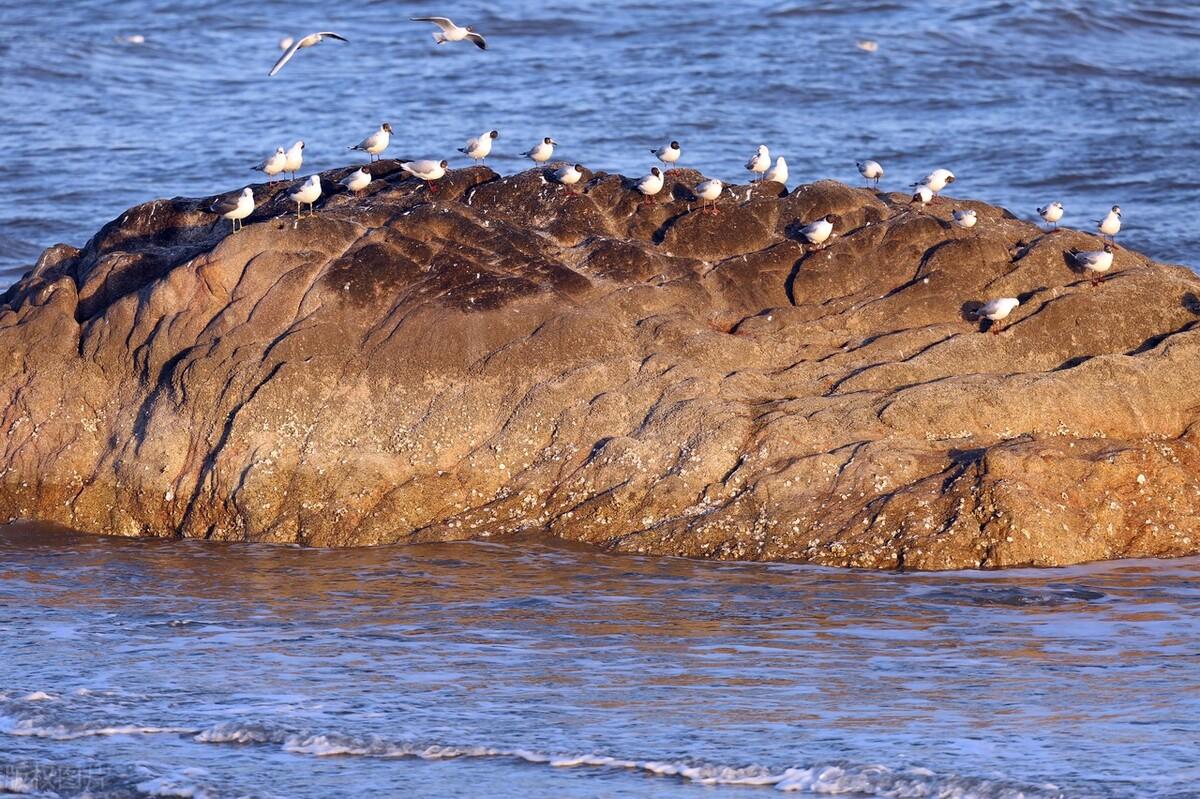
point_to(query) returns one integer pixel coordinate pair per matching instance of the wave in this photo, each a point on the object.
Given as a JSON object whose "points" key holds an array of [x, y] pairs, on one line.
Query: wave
{"points": [[33, 728]]}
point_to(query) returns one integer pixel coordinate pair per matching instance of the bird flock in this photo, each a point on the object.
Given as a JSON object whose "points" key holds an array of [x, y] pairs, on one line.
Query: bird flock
{"points": [[818, 234]]}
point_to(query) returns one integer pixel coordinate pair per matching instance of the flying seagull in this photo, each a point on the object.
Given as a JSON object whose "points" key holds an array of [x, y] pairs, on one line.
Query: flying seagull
{"points": [[307, 41], [453, 33]]}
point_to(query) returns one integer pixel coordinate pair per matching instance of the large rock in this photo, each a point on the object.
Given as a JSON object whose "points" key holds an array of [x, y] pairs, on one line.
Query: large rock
{"points": [[504, 356]]}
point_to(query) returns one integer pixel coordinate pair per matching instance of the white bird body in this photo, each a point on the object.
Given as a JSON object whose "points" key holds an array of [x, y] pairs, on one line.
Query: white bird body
{"points": [[1052, 212], [449, 32], [1110, 225], [480, 147], [709, 190], [297, 46], [274, 164], [541, 152], [818, 232], [568, 175], [867, 45], [377, 142], [295, 158], [1098, 261], [668, 153], [358, 180], [998, 309], [760, 162], [871, 170], [923, 194], [939, 179], [652, 184], [779, 172], [965, 218], [308, 193], [427, 171], [237, 209]]}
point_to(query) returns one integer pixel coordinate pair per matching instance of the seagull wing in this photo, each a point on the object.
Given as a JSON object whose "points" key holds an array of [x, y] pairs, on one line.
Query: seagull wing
{"points": [[223, 205], [332, 35], [442, 22], [283, 59], [480, 42]]}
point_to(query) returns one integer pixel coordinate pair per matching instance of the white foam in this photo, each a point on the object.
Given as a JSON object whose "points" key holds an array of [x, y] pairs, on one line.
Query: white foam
{"points": [[15, 784], [30, 728], [38, 696]]}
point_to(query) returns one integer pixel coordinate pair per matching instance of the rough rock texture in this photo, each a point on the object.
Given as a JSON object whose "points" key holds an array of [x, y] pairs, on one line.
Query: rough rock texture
{"points": [[504, 356]]}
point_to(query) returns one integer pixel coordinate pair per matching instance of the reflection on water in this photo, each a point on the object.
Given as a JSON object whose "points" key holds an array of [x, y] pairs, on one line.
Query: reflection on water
{"points": [[535, 669]]}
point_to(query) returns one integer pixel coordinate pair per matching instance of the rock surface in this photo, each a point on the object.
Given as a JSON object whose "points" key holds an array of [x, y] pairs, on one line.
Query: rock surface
{"points": [[504, 356]]}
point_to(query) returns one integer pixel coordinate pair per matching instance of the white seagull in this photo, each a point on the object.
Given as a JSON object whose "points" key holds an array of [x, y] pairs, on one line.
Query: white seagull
{"points": [[542, 151], [997, 310], [817, 233], [937, 180], [923, 194], [778, 173], [296, 46], [867, 45], [428, 171], [235, 207], [273, 165], [308, 193], [1052, 213], [1095, 261], [357, 180], [760, 162], [1110, 225], [871, 170], [453, 33], [568, 175], [480, 147], [377, 142], [965, 218], [708, 193], [668, 153], [650, 185], [295, 159], [286, 42]]}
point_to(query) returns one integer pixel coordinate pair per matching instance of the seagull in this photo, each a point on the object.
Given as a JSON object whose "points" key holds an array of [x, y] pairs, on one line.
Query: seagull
{"points": [[937, 180], [778, 173], [871, 170], [308, 193], [867, 45], [650, 185], [761, 161], [923, 194], [708, 192], [377, 142], [1052, 213], [285, 42], [542, 151], [295, 159], [965, 219], [668, 153], [817, 233], [1110, 225], [481, 147], [1096, 261], [235, 207], [307, 41], [273, 165], [428, 171], [569, 175], [453, 33], [358, 180], [996, 310]]}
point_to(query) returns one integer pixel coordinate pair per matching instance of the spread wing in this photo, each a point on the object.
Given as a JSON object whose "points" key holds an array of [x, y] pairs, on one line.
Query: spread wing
{"points": [[441, 22], [283, 59], [332, 35], [480, 42]]}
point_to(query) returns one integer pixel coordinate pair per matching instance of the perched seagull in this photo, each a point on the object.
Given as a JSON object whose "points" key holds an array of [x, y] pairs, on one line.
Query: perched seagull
{"points": [[1052, 213], [428, 171], [308, 193], [235, 207], [708, 192], [377, 142], [937, 180], [997, 310], [761, 161], [668, 153], [542, 151], [273, 165], [650, 185], [1110, 225], [817, 233], [453, 33], [295, 159], [923, 194], [965, 219], [358, 180], [295, 47], [480, 147], [1095, 261], [569, 175], [867, 45], [871, 170], [777, 173]]}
